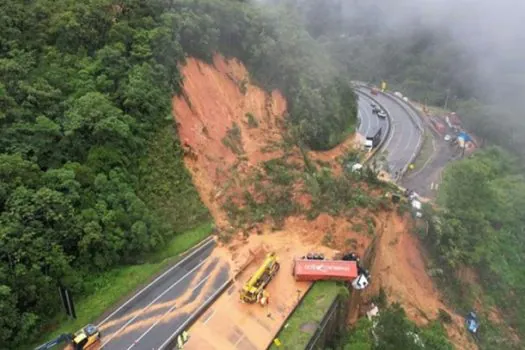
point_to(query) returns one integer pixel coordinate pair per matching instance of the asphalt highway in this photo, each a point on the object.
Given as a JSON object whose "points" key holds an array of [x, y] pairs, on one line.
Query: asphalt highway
{"points": [[150, 317], [404, 135], [369, 122]]}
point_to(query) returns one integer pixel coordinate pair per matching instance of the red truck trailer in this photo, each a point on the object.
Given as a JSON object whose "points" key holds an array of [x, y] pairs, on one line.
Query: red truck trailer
{"points": [[315, 270], [374, 91]]}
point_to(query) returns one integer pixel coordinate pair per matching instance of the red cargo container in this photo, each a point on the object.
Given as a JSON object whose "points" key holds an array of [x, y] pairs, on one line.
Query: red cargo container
{"points": [[315, 270]]}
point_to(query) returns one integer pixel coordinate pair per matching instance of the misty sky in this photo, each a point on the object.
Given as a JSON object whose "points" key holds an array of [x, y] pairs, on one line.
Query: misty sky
{"points": [[491, 33]]}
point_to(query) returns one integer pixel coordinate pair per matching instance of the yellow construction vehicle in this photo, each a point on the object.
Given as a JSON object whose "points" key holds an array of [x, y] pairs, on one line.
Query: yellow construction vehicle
{"points": [[81, 340], [253, 291]]}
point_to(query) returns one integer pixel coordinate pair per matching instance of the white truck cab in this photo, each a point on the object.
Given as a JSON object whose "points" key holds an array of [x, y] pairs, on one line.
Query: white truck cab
{"points": [[361, 282], [368, 145]]}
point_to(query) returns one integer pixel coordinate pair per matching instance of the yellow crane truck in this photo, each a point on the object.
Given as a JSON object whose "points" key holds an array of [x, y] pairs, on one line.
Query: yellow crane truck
{"points": [[253, 291], [81, 340]]}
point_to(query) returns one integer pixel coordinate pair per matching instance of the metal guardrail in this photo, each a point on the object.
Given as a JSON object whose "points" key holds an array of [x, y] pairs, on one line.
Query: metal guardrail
{"points": [[171, 342]]}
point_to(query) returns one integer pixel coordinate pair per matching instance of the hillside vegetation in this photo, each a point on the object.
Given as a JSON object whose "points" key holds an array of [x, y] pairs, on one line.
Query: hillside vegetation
{"points": [[91, 170], [477, 238], [481, 226], [392, 330]]}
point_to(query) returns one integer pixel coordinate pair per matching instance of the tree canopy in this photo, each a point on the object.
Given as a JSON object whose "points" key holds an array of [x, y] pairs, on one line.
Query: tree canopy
{"points": [[90, 165], [392, 330], [481, 225]]}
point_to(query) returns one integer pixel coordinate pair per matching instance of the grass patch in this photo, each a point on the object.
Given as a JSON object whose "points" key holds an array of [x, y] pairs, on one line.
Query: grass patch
{"points": [[109, 287], [252, 121], [312, 310], [426, 151], [233, 139]]}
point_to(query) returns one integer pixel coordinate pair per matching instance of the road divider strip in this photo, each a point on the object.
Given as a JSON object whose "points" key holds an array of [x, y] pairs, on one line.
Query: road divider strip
{"points": [[171, 341]]}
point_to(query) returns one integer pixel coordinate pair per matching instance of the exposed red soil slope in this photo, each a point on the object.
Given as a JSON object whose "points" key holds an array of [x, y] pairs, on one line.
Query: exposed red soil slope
{"points": [[216, 96], [399, 267], [212, 101]]}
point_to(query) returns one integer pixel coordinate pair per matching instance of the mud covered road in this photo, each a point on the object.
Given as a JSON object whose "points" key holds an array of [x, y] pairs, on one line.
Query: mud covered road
{"points": [[150, 317]]}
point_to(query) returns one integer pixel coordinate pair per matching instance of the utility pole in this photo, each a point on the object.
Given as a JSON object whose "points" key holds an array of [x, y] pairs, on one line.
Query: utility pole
{"points": [[446, 99]]}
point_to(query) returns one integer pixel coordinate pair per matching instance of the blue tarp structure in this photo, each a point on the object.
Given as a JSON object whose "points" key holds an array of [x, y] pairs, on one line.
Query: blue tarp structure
{"points": [[463, 135]]}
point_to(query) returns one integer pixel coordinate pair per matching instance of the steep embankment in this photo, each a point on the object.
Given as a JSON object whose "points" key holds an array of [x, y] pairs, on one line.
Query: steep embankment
{"points": [[234, 134], [399, 268], [217, 112], [230, 128]]}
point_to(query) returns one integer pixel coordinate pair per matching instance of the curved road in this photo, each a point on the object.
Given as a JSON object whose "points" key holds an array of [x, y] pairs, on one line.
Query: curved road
{"points": [[404, 135], [368, 121], [403, 141]]}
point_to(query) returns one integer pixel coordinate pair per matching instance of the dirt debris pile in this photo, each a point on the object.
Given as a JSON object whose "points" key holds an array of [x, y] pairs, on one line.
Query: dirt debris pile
{"points": [[216, 118], [399, 268], [233, 133]]}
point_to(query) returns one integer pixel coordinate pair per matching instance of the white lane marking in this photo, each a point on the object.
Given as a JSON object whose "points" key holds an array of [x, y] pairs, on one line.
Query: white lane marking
{"points": [[364, 116], [152, 302], [411, 133], [184, 325], [153, 282], [369, 117], [209, 317], [238, 340], [162, 317], [392, 129], [396, 147], [374, 123]]}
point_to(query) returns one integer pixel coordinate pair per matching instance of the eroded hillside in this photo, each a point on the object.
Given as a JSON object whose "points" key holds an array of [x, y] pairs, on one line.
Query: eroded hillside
{"points": [[264, 191]]}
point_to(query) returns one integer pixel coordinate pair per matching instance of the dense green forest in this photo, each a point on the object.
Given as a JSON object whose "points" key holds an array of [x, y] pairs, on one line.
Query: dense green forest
{"points": [[481, 225], [90, 166], [392, 330]]}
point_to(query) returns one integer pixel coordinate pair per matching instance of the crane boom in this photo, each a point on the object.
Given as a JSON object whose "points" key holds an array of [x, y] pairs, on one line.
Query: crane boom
{"points": [[253, 289]]}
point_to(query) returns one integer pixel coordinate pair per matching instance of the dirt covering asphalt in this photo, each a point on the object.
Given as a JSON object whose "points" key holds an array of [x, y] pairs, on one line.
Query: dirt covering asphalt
{"points": [[218, 98]]}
